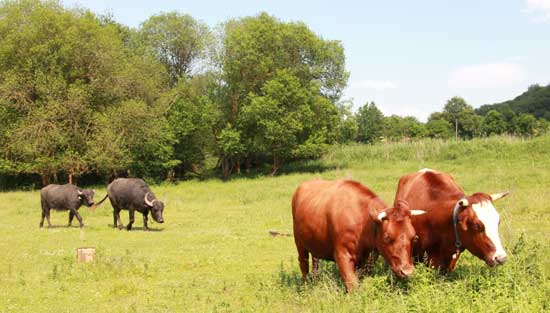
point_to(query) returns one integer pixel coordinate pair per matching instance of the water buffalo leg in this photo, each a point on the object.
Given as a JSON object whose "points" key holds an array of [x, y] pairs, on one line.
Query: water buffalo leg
{"points": [[71, 216], [78, 217], [116, 217], [145, 227], [131, 213], [303, 258], [346, 265], [44, 210], [48, 217]]}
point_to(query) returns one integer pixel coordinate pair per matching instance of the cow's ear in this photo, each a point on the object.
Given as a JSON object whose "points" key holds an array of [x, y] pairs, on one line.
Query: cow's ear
{"points": [[463, 224]]}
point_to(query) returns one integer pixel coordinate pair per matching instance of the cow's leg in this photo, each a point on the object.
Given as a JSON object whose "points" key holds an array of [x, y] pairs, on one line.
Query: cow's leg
{"points": [[78, 217], [368, 267], [346, 265], [131, 213], [303, 258], [315, 267], [437, 260], [145, 227], [71, 216]]}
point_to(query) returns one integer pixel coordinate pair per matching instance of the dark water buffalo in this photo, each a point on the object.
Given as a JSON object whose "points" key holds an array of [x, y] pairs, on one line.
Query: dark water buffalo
{"points": [[133, 194], [345, 221], [62, 198], [454, 221]]}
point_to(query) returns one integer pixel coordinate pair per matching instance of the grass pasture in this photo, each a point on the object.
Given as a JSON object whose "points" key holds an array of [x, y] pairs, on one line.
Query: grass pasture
{"points": [[214, 253]]}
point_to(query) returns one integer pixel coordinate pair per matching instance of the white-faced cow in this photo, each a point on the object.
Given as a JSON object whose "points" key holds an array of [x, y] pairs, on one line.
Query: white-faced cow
{"points": [[454, 221], [344, 221], [62, 198], [133, 194]]}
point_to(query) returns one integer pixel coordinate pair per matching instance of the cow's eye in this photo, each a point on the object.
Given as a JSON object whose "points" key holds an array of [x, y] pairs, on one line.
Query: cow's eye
{"points": [[415, 238], [479, 228], [387, 238]]}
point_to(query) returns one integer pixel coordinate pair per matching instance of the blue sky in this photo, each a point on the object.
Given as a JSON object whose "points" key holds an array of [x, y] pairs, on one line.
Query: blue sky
{"points": [[407, 56]]}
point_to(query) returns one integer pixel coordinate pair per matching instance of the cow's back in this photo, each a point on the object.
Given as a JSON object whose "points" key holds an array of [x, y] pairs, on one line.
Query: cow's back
{"points": [[328, 213], [425, 189]]}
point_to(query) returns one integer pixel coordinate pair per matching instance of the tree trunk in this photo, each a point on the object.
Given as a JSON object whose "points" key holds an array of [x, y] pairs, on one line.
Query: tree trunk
{"points": [[45, 179], [276, 165]]}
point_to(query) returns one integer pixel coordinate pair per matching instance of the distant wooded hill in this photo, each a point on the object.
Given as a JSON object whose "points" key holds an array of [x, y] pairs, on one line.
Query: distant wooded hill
{"points": [[535, 101]]}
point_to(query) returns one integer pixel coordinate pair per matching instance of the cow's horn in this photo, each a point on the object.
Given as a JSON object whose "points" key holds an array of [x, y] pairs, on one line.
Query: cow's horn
{"points": [[463, 202], [149, 203], [382, 215], [79, 192], [497, 196], [417, 212]]}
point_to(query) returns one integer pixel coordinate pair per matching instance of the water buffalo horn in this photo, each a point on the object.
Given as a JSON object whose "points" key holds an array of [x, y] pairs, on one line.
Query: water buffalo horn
{"points": [[382, 215], [149, 203], [497, 196]]}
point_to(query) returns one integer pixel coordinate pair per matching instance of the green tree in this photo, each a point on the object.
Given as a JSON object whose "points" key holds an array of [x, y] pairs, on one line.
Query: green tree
{"points": [[193, 116], [461, 115], [439, 128], [132, 138], [526, 125], [348, 128], [371, 122], [283, 119], [178, 40], [261, 56], [58, 68], [493, 123]]}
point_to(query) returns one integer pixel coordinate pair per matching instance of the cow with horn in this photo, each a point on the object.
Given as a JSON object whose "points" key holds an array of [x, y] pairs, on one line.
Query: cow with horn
{"points": [[133, 194], [346, 222], [454, 221]]}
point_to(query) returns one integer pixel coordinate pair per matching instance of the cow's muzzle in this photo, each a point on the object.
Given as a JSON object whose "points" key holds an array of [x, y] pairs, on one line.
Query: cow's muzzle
{"points": [[405, 271]]}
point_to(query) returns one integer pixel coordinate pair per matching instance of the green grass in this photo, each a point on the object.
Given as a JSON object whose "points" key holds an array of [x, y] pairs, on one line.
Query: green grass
{"points": [[214, 253]]}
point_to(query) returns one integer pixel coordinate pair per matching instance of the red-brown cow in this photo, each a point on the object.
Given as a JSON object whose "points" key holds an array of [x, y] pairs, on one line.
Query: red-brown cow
{"points": [[344, 221], [454, 221]]}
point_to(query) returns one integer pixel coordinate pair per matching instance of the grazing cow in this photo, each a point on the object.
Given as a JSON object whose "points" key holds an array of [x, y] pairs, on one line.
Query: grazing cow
{"points": [[454, 221], [345, 221], [62, 198], [133, 194]]}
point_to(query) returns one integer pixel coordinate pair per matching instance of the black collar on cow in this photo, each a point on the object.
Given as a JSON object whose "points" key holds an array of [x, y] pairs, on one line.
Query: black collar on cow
{"points": [[458, 243]]}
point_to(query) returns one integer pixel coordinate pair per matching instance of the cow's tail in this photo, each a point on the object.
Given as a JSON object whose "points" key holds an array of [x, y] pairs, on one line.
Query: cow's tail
{"points": [[101, 201]]}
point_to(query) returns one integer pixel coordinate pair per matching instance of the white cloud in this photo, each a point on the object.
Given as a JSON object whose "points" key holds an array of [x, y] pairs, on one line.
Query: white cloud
{"points": [[539, 9], [373, 84], [487, 75]]}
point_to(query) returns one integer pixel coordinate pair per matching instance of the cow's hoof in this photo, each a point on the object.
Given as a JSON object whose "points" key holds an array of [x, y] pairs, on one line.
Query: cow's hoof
{"points": [[146, 229], [120, 227], [81, 225], [128, 228]]}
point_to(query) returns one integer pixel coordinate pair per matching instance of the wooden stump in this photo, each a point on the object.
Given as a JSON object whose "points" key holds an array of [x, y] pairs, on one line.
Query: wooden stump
{"points": [[85, 254]]}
